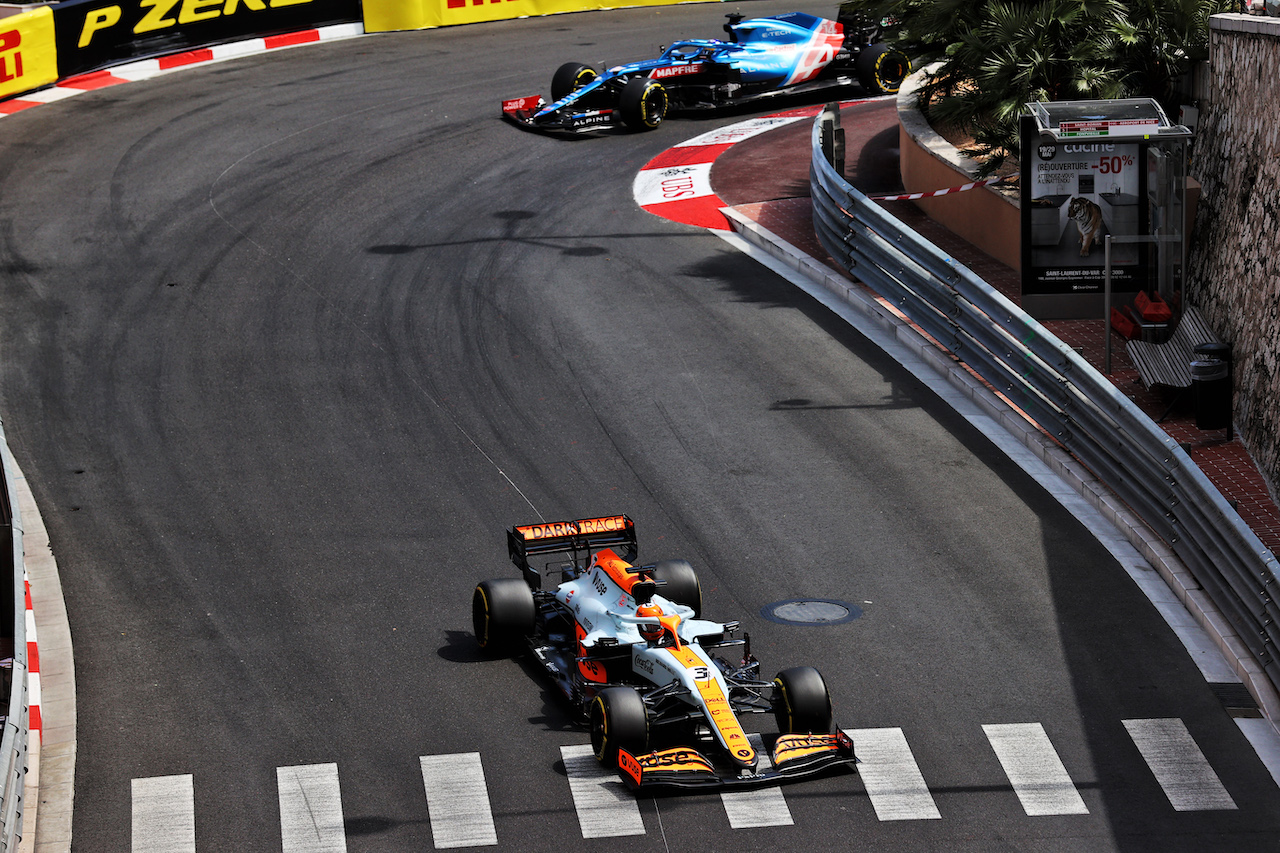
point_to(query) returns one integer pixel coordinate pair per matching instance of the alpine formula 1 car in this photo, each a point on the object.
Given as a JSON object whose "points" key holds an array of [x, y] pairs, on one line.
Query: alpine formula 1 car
{"points": [[626, 646], [764, 57]]}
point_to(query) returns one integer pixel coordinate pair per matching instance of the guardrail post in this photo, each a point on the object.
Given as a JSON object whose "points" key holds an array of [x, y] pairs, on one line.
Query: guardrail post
{"points": [[833, 137]]}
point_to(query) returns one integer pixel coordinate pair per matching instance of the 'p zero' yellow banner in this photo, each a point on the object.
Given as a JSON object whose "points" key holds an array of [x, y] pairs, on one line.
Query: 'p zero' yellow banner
{"points": [[384, 15], [28, 57]]}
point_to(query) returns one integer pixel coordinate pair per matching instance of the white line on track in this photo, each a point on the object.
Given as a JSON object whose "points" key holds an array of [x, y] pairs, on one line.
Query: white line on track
{"points": [[761, 807], [311, 809], [458, 800], [605, 807], [1034, 769], [164, 819], [892, 778], [1179, 765]]}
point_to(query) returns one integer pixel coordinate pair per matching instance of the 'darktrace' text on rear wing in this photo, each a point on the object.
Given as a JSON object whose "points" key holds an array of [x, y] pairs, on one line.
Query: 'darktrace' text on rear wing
{"points": [[577, 539]]}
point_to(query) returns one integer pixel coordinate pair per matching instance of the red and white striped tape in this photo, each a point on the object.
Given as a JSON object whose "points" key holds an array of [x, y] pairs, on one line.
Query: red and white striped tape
{"points": [[935, 193], [676, 184], [146, 68], [35, 725]]}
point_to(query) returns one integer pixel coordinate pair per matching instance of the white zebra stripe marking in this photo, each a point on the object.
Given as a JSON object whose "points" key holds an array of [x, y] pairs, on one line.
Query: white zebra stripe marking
{"points": [[761, 807], [1034, 769], [1179, 765], [605, 807], [458, 800], [310, 809], [891, 776], [164, 814]]}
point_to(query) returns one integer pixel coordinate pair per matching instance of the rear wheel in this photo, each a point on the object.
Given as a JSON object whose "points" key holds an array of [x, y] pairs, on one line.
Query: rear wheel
{"points": [[681, 584], [618, 721], [881, 69], [569, 78], [643, 103], [801, 702], [502, 614]]}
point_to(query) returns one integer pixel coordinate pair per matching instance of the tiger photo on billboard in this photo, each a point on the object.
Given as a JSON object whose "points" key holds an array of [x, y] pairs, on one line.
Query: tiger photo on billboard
{"points": [[1087, 216]]}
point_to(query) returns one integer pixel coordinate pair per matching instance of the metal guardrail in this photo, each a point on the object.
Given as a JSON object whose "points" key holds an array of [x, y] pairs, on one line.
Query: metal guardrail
{"points": [[13, 744], [1059, 390]]}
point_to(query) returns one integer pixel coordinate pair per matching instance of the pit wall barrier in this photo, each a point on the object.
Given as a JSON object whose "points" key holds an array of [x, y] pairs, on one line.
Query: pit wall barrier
{"points": [[95, 34], [40, 46]]}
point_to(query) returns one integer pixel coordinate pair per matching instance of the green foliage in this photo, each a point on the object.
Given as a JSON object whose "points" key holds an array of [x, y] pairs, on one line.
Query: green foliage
{"points": [[997, 55]]}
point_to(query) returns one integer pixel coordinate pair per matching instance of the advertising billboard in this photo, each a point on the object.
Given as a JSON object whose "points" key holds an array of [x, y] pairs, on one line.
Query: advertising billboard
{"points": [[1087, 174], [1076, 191], [93, 34], [27, 56]]}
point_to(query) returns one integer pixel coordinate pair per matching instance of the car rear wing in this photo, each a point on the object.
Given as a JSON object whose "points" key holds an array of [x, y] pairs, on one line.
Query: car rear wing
{"points": [[578, 539]]}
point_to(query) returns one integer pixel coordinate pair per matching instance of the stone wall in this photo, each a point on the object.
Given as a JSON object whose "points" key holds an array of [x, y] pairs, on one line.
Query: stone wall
{"points": [[1234, 267]]}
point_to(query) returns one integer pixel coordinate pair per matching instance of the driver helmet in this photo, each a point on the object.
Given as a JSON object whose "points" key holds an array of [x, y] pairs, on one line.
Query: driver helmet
{"points": [[652, 632]]}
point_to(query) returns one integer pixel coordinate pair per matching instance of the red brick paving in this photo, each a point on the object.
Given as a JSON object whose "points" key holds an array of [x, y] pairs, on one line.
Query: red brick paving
{"points": [[1227, 464]]}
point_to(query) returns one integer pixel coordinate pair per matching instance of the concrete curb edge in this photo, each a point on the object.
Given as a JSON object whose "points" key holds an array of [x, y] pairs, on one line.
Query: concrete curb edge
{"points": [[50, 788]]}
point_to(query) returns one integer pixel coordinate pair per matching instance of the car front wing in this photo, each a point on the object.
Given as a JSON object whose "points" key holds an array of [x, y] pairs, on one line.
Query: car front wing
{"points": [[571, 118], [795, 756]]}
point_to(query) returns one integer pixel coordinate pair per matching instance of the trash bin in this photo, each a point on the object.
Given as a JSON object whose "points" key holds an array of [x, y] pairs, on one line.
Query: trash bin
{"points": [[1211, 383]]}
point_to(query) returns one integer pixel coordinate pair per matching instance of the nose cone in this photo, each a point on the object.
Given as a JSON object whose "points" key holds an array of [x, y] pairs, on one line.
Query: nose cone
{"points": [[742, 753]]}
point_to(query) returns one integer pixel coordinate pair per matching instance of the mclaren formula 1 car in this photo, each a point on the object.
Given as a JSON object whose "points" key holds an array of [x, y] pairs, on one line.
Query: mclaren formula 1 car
{"points": [[764, 57], [627, 647]]}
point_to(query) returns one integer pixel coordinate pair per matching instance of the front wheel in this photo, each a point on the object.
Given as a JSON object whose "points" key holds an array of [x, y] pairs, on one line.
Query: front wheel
{"points": [[801, 702], [680, 584], [643, 103], [618, 721], [569, 78], [881, 69]]}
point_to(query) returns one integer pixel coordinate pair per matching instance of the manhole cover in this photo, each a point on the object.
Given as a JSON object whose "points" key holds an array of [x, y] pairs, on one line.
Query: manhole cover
{"points": [[811, 611]]}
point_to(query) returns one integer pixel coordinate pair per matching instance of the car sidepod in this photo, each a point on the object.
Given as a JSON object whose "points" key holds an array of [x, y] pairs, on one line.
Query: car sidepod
{"points": [[786, 50]]}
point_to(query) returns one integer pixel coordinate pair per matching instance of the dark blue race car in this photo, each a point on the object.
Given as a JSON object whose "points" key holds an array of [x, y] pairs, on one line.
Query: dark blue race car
{"points": [[764, 57]]}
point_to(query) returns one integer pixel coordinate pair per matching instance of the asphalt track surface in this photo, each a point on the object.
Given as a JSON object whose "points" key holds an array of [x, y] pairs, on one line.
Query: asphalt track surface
{"points": [[287, 343]]}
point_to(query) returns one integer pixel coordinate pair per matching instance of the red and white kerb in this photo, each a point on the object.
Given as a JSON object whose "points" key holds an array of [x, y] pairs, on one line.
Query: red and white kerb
{"points": [[676, 184]]}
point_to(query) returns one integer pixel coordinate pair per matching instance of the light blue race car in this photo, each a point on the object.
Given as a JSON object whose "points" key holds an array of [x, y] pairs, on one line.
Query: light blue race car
{"points": [[628, 647], [764, 57]]}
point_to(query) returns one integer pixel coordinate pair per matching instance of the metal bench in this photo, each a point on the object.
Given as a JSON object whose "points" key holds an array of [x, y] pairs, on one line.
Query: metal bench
{"points": [[1169, 363]]}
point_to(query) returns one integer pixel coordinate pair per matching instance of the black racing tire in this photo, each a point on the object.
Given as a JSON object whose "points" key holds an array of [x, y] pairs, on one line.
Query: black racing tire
{"points": [[502, 614], [801, 702], [643, 103], [881, 69], [618, 721], [681, 584], [569, 78]]}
